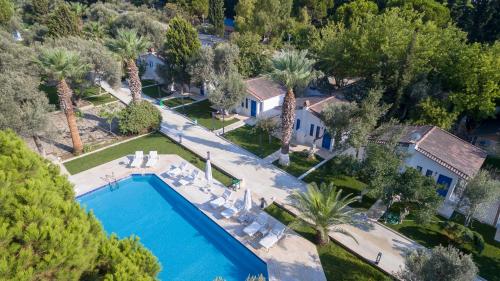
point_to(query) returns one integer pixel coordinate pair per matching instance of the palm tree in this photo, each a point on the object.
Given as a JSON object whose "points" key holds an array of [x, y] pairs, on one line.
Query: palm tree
{"points": [[61, 64], [324, 209], [128, 45], [292, 69]]}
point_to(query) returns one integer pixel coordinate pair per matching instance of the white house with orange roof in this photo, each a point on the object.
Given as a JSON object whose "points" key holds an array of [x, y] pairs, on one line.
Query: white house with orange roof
{"points": [[264, 98]]}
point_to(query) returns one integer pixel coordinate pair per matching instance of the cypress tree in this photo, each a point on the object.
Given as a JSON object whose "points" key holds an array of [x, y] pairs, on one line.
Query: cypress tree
{"points": [[63, 22], [216, 16]]}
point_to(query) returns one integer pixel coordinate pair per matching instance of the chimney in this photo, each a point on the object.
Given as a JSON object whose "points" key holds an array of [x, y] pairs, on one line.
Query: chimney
{"points": [[151, 50], [306, 104]]}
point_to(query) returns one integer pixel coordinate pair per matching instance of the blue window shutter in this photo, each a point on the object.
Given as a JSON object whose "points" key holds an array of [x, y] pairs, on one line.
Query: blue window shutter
{"points": [[246, 103], [428, 173], [311, 130], [317, 131], [298, 124]]}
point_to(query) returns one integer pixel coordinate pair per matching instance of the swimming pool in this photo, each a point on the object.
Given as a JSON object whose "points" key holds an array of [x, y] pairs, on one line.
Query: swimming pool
{"points": [[188, 244]]}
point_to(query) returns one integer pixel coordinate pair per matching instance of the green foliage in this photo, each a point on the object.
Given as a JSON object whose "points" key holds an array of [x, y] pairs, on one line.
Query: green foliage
{"points": [[6, 11], [354, 11], [216, 16], [337, 118], [324, 208], [228, 92], [128, 44], [63, 22], [60, 64], [293, 69], [345, 165], [139, 118], [433, 112], [147, 27], [254, 56], [318, 9], [461, 235], [439, 264], [431, 10]]}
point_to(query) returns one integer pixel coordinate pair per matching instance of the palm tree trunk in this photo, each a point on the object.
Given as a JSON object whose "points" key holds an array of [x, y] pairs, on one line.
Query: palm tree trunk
{"points": [[287, 119], [134, 80], [322, 237], [65, 94]]}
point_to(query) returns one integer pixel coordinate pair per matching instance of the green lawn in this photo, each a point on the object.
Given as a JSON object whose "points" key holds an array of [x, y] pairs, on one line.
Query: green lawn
{"points": [[155, 92], [338, 264], [346, 183], [147, 143], [148, 82], [202, 112], [250, 140], [177, 101], [299, 163], [432, 235], [89, 94], [492, 161]]}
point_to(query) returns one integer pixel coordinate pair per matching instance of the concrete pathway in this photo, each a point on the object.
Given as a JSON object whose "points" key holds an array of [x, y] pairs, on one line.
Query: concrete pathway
{"points": [[377, 210], [293, 258], [273, 184], [122, 93]]}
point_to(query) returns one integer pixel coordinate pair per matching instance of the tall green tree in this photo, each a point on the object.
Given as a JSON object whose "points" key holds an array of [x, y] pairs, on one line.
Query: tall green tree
{"points": [[438, 264], [479, 191], [254, 56], [128, 45], [216, 15], [324, 208], [61, 65], [355, 10], [318, 9], [291, 69], [6, 11], [46, 235], [430, 9], [337, 118], [63, 22], [180, 48]]}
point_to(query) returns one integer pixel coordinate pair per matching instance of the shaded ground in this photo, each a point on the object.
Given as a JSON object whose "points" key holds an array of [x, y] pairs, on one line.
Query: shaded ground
{"points": [[155, 92], [250, 140], [432, 235], [90, 95], [338, 263], [155, 141], [177, 101], [299, 163], [94, 132], [202, 113]]}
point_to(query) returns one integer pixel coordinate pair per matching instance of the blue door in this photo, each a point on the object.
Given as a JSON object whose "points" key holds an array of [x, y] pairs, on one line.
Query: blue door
{"points": [[327, 141], [445, 183], [253, 109]]}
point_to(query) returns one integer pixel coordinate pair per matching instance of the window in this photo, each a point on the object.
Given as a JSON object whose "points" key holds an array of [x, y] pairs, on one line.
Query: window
{"points": [[297, 126], [242, 104], [246, 103], [429, 173], [311, 130], [419, 168], [151, 64], [317, 131]]}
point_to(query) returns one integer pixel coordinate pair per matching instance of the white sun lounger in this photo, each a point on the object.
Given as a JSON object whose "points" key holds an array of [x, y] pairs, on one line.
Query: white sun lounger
{"points": [[258, 224], [233, 210], [152, 158], [273, 236], [176, 171], [138, 159], [220, 201]]}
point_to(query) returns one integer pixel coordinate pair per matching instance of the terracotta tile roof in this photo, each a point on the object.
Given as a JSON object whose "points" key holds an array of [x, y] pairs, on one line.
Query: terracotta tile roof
{"points": [[448, 150], [262, 88], [317, 104]]}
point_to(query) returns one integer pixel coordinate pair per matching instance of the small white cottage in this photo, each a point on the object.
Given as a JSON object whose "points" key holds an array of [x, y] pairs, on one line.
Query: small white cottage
{"points": [[264, 98], [151, 60], [309, 129]]}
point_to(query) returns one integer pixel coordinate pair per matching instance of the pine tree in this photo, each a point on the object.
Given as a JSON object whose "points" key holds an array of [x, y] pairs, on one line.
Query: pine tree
{"points": [[216, 16], [63, 22], [6, 11]]}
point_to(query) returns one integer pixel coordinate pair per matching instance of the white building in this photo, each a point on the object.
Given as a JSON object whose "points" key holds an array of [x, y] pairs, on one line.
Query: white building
{"points": [[151, 60], [264, 98], [450, 160], [309, 128]]}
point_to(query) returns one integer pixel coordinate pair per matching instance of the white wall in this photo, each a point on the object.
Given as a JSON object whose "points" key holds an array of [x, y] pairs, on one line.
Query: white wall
{"points": [[307, 119], [151, 63], [264, 108]]}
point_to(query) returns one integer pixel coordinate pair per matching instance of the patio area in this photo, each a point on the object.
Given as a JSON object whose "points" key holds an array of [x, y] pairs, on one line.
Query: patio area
{"points": [[292, 258]]}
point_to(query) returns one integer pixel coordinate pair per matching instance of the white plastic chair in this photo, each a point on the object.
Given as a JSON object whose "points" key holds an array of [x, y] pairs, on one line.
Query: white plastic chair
{"points": [[138, 159], [152, 158], [220, 201], [273, 236]]}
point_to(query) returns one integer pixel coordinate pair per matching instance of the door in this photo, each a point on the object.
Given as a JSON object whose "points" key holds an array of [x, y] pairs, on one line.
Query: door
{"points": [[327, 141], [445, 183], [253, 108]]}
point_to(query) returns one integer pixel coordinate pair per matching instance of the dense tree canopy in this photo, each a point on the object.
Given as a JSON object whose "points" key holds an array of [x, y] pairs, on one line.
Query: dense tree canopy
{"points": [[63, 22], [216, 16], [46, 234], [6, 11], [430, 9]]}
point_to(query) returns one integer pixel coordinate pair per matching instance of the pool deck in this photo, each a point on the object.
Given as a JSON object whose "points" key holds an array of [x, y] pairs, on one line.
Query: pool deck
{"points": [[292, 258]]}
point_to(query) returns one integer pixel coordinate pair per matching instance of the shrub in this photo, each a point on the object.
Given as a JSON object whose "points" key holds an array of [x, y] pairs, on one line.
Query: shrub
{"points": [[478, 242], [345, 165], [461, 235], [139, 118]]}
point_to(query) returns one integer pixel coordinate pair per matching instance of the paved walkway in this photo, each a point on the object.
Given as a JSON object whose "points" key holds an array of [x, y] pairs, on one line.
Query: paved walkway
{"points": [[269, 182], [293, 258]]}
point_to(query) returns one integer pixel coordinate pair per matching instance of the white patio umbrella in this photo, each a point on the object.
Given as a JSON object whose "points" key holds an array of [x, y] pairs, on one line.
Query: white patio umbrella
{"points": [[247, 200], [208, 171]]}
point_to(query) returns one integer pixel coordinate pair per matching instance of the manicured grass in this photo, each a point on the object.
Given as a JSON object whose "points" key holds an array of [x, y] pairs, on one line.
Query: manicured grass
{"points": [[89, 94], [299, 163], [348, 184], [432, 235], [155, 92], [148, 82], [251, 141], [177, 101], [147, 143], [492, 161], [202, 112], [338, 263]]}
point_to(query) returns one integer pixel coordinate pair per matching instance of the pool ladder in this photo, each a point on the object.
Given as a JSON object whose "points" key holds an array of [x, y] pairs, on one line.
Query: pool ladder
{"points": [[112, 182]]}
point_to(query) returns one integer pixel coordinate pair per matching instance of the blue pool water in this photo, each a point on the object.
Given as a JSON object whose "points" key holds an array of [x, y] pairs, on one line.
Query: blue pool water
{"points": [[187, 243]]}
